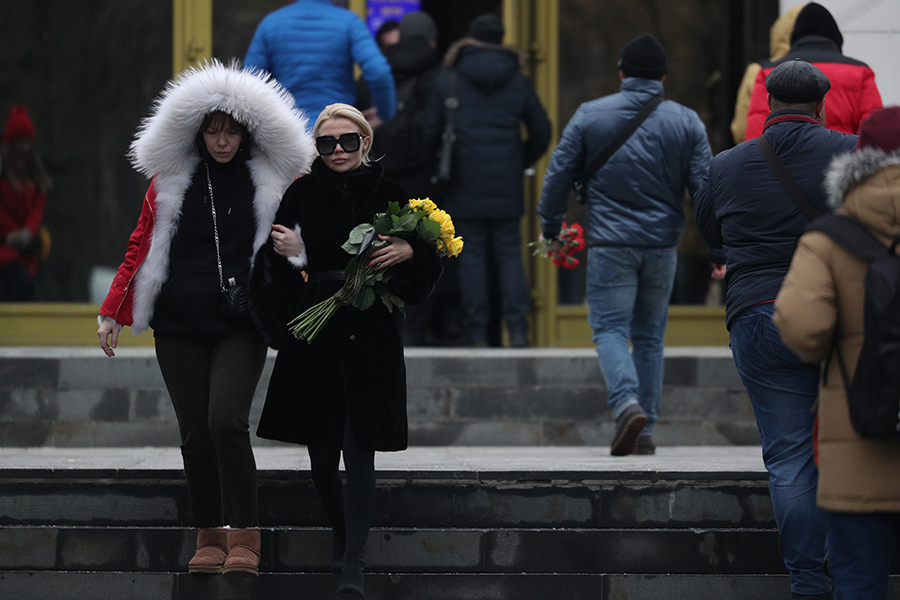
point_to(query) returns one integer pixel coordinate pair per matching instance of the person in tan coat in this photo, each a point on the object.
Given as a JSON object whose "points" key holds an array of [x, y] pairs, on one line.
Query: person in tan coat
{"points": [[821, 301], [779, 45]]}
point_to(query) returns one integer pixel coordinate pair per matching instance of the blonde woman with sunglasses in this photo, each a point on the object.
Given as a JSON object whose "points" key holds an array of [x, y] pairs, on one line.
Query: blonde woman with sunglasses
{"points": [[345, 392]]}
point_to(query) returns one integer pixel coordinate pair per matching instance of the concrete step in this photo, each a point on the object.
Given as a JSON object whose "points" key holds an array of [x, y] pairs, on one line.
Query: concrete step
{"points": [[424, 487], [421, 550], [396, 586], [77, 397]]}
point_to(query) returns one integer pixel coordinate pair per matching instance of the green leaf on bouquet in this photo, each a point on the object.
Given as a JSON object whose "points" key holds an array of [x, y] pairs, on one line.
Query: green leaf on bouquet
{"points": [[383, 225], [365, 299], [354, 240], [428, 230], [393, 208], [408, 222]]}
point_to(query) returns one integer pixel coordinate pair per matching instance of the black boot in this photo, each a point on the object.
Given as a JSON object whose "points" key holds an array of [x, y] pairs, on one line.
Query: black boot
{"points": [[351, 587], [338, 544]]}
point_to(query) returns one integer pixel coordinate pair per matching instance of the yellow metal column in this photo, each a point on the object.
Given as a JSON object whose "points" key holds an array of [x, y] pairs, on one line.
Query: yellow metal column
{"points": [[191, 33], [533, 26]]}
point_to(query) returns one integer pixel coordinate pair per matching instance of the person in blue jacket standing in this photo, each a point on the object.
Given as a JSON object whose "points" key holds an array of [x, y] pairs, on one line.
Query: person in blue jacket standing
{"points": [[635, 219], [310, 47]]}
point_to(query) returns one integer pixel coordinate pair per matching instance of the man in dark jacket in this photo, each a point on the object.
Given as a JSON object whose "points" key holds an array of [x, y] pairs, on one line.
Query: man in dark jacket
{"points": [[635, 218], [817, 39], [485, 194], [743, 208]]}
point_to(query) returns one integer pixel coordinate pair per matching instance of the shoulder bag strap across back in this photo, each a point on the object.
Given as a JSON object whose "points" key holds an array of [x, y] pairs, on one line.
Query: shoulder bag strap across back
{"points": [[784, 177], [621, 138]]}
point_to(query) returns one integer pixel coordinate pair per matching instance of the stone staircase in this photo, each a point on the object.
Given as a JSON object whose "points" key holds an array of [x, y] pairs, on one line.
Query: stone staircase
{"points": [[78, 397], [498, 523], [508, 490]]}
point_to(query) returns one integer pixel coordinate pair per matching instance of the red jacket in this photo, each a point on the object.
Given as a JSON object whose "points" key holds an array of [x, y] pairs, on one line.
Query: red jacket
{"points": [[119, 300], [18, 209], [853, 95]]}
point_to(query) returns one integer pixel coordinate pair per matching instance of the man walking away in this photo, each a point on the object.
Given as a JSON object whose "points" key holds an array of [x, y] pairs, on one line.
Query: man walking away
{"points": [[744, 207], [635, 218]]}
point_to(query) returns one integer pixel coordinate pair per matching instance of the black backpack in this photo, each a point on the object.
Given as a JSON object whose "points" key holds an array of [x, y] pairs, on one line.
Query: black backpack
{"points": [[874, 394], [399, 143]]}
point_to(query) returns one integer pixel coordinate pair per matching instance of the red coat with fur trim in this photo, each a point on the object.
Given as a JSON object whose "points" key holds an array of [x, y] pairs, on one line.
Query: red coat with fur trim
{"points": [[119, 301]]}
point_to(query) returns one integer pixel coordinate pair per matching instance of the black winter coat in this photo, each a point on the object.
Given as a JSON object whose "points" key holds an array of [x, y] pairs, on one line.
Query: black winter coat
{"points": [[489, 155], [354, 368], [743, 208]]}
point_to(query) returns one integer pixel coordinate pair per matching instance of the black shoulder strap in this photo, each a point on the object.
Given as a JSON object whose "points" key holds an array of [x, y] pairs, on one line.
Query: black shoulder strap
{"points": [[623, 136], [851, 235], [784, 177]]}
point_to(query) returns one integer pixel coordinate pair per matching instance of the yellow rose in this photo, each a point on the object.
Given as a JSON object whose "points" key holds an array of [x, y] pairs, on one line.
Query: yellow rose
{"points": [[454, 247]]}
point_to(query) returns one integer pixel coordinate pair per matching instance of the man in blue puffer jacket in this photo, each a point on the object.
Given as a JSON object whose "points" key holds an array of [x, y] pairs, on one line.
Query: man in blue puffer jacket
{"points": [[635, 218], [310, 47]]}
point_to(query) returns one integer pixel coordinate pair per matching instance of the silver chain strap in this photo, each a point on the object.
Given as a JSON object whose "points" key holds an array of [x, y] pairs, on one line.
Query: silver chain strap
{"points": [[215, 228]]}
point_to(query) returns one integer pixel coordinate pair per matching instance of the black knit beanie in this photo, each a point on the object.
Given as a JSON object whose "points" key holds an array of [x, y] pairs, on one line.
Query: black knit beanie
{"points": [[487, 28], [644, 57], [814, 19]]}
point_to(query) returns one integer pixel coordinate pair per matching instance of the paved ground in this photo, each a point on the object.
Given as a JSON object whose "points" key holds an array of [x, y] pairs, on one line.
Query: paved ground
{"points": [[529, 462]]}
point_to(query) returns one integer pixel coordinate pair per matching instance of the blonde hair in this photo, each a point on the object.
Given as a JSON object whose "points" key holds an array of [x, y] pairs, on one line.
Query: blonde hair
{"points": [[345, 111]]}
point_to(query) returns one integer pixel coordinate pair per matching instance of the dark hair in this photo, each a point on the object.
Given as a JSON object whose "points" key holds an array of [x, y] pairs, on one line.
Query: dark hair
{"points": [[807, 107], [221, 119]]}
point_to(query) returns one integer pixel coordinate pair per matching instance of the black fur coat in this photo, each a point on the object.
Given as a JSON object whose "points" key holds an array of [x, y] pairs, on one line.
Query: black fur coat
{"points": [[354, 368]]}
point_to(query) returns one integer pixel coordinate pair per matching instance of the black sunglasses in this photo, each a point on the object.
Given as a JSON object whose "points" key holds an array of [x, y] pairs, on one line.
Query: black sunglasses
{"points": [[327, 144]]}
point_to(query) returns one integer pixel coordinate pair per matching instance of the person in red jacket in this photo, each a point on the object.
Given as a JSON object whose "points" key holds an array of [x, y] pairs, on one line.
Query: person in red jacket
{"points": [[23, 194], [221, 145], [817, 39]]}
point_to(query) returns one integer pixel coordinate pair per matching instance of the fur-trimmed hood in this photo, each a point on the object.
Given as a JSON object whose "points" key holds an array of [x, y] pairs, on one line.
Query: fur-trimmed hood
{"points": [[850, 169], [164, 149], [865, 185], [485, 66]]}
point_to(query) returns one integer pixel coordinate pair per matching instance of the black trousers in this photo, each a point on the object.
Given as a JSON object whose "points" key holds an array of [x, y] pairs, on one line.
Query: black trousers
{"points": [[211, 384]]}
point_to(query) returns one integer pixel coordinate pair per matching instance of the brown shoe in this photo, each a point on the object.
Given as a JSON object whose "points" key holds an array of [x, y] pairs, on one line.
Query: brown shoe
{"points": [[628, 426], [243, 553], [212, 548], [645, 444]]}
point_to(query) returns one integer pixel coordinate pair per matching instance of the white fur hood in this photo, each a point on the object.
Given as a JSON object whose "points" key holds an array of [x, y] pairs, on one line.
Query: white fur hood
{"points": [[851, 168], [164, 148]]}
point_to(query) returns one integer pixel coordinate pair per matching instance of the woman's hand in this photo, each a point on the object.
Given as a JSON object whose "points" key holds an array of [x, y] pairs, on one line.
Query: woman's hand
{"points": [[286, 242], [109, 335], [397, 251]]}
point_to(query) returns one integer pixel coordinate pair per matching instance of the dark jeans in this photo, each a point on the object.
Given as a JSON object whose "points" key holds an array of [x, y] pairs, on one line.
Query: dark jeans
{"points": [[502, 240], [783, 392], [860, 552], [211, 383]]}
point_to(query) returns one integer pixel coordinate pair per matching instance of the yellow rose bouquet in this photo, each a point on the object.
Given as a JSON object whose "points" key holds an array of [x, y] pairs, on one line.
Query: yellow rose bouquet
{"points": [[365, 283]]}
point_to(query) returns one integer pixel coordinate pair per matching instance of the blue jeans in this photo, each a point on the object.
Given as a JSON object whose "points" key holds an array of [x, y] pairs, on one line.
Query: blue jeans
{"points": [[501, 240], [628, 290], [783, 391], [860, 552]]}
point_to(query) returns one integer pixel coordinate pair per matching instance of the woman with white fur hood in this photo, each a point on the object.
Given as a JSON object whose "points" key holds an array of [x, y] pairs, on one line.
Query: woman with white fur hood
{"points": [[221, 146]]}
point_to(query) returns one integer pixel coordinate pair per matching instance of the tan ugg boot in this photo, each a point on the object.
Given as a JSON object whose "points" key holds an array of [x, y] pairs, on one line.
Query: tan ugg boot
{"points": [[243, 553], [212, 548]]}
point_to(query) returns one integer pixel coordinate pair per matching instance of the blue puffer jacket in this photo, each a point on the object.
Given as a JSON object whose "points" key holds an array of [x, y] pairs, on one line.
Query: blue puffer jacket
{"points": [[637, 198], [310, 47], [489, 155], [742, 207]]}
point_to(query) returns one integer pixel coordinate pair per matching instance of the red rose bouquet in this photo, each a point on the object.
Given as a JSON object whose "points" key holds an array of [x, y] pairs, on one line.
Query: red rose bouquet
{"points": [[562, 248]]}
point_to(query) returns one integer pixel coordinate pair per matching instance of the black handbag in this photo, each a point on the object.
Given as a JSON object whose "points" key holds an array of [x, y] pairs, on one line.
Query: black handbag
{"points": [[234, 295], [451, 103]]}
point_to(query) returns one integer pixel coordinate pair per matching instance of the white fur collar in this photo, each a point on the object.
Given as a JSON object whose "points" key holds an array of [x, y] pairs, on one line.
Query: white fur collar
{"points": [[164, 149], [851, 168]]}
